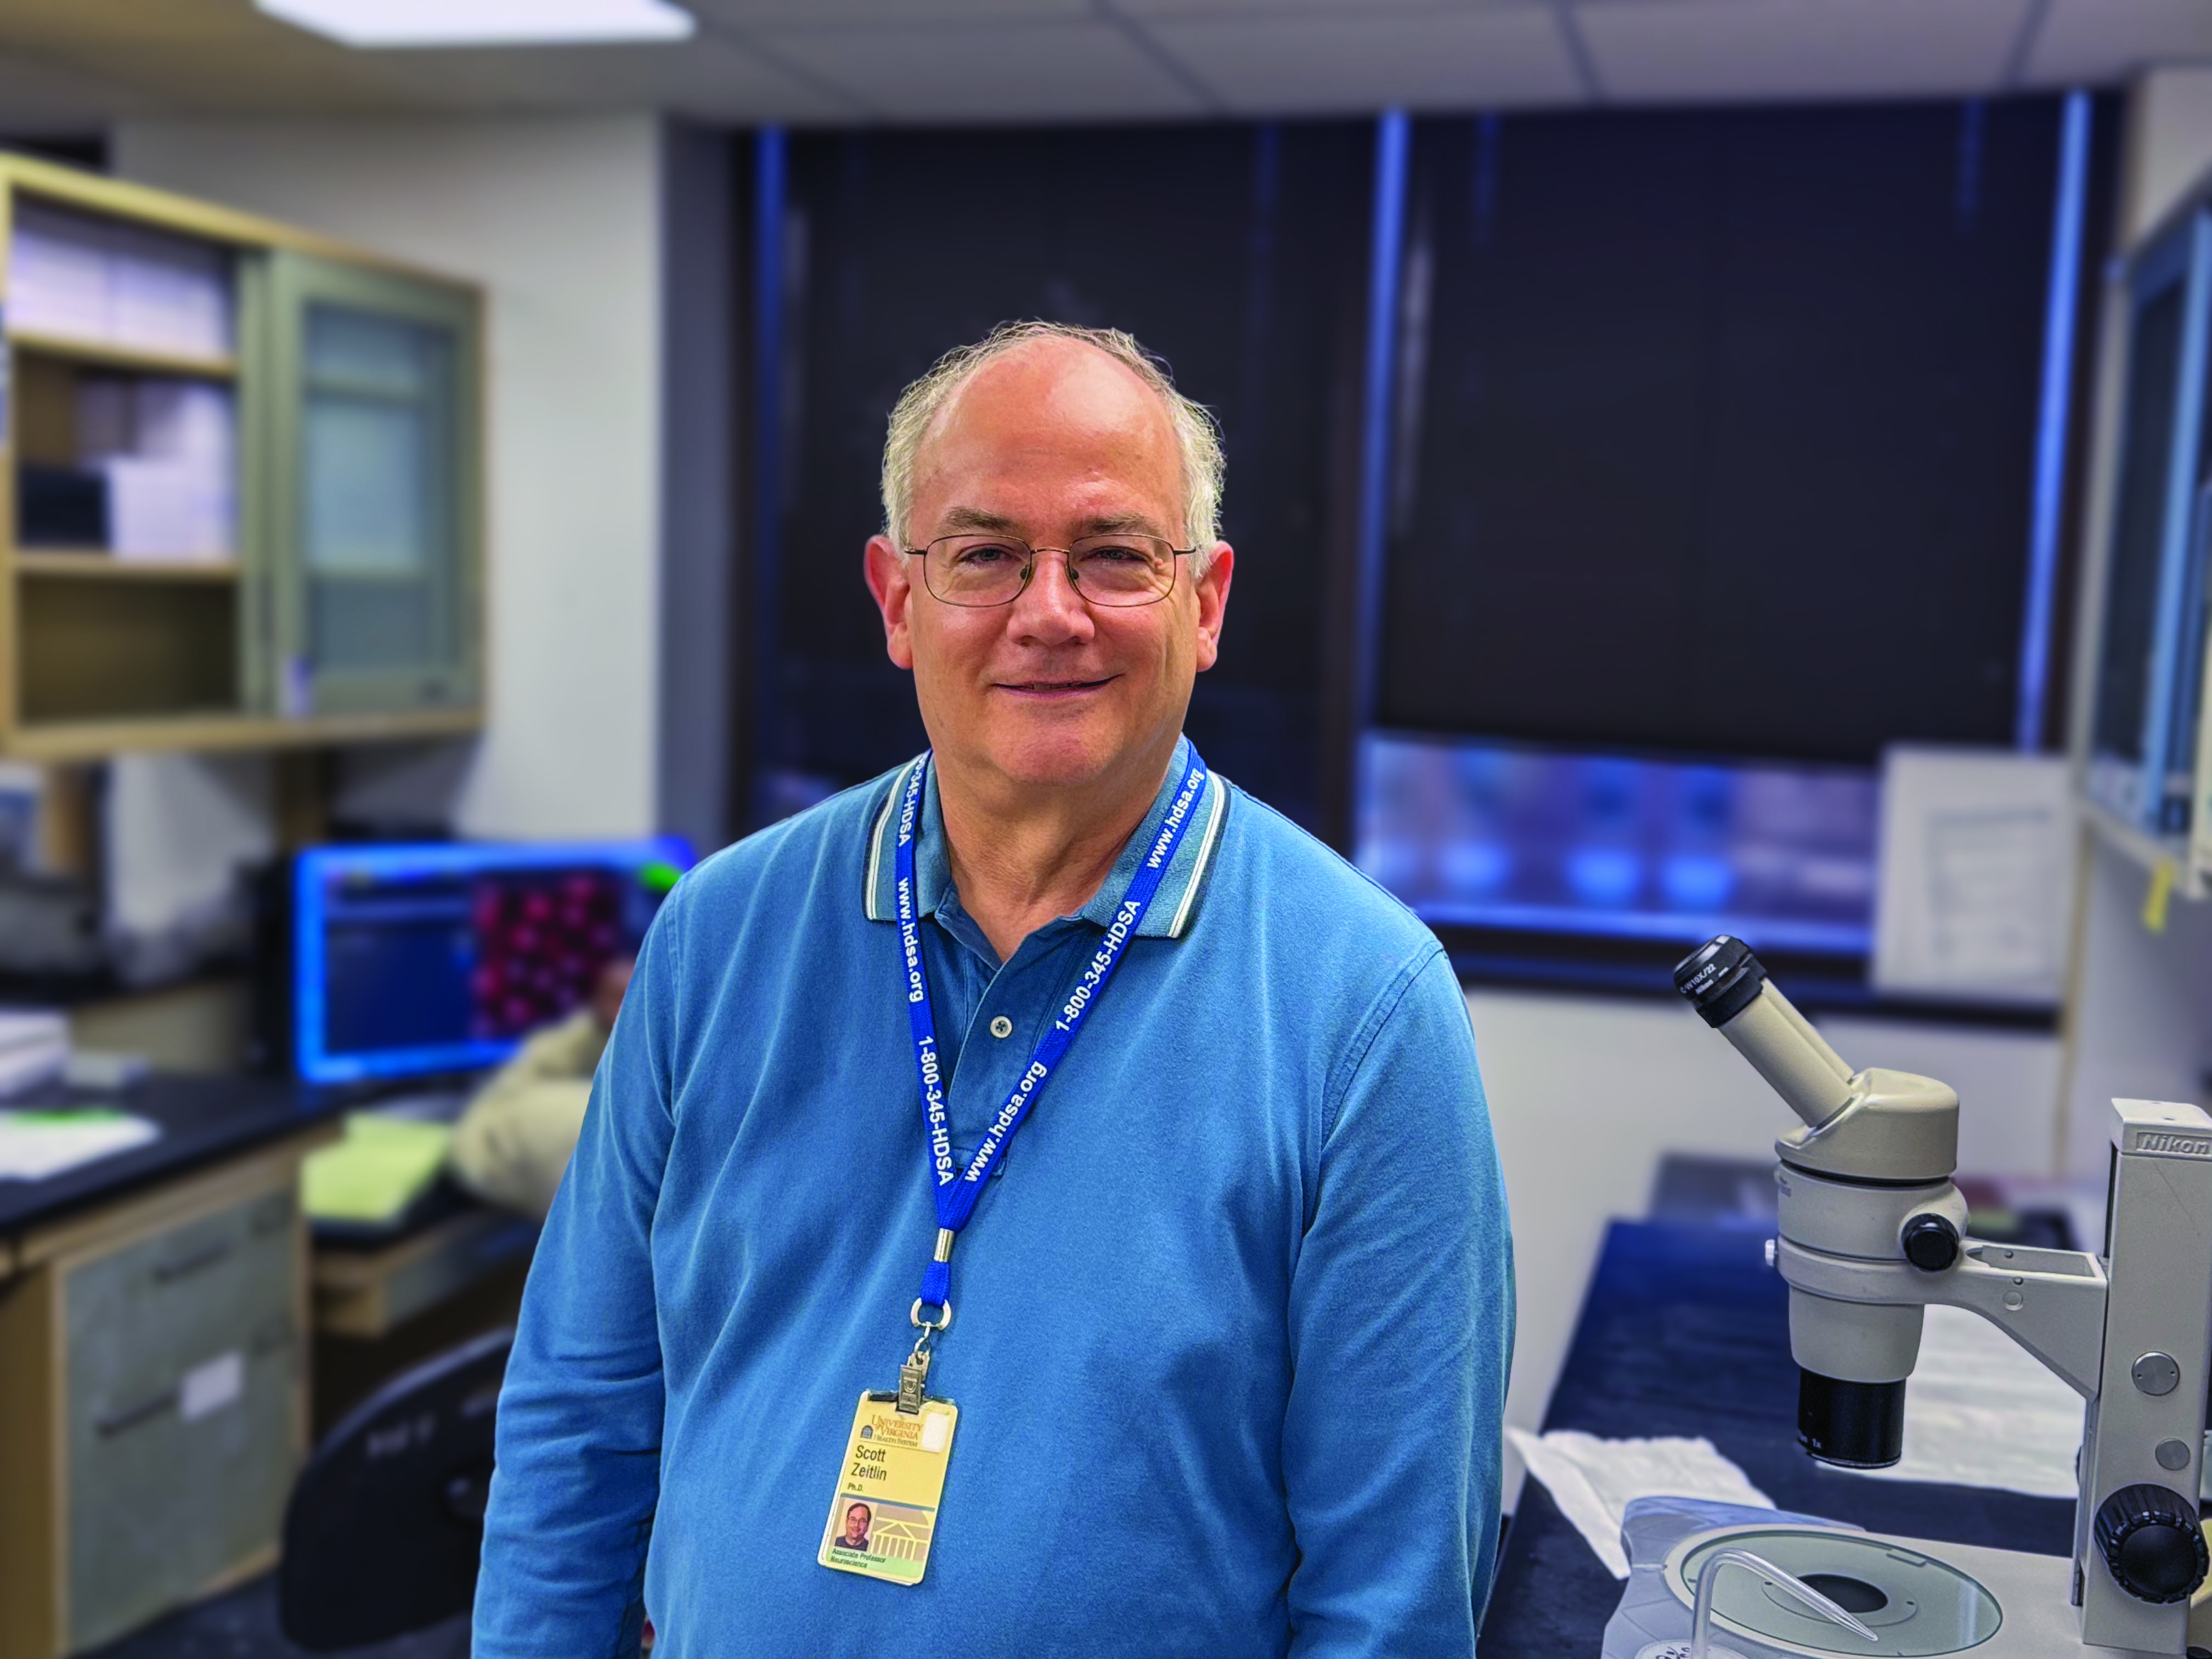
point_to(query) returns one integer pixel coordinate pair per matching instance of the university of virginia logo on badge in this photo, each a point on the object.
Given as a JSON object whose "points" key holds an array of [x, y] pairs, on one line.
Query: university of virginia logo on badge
{"points": [[885, 1515]]}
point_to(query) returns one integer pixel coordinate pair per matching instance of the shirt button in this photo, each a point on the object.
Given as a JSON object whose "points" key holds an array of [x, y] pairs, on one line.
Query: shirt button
{"points": [[1002, 1027]]}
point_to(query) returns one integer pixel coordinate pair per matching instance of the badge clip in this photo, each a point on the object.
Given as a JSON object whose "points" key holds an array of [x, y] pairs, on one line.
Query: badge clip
{"points": [[914, 1378]]}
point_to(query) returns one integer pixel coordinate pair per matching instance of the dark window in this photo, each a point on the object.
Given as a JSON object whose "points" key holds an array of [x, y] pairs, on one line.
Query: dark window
{"points": [[1237, 252], [1725, 426]]}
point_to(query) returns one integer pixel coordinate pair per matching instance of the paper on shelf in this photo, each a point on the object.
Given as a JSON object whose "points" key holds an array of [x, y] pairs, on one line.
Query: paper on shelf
{"points": [[83, 277], [36, 1145], [169, 294], [168, 450], [57, 273], [1592, 1481]]}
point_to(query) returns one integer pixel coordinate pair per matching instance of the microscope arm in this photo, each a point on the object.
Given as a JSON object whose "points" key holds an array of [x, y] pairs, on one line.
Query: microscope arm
{"points": [[2050, 1301]]}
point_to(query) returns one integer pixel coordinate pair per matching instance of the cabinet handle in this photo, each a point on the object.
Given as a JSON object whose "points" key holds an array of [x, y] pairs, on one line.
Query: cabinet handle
{"points": [[113, 1423], [207, 1256]]}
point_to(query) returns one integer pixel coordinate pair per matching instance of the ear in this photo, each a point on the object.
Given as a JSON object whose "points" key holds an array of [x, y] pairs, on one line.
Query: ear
{"points": [[1213, 604], [889, 573]]}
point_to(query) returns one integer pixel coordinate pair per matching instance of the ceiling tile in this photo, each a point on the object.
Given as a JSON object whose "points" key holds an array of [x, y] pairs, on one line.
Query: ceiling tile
{"points": [[711, 79], [747, 13], [2103, 41], [1779, 49], [1292, 8], [976, 74], [1459, 60]]}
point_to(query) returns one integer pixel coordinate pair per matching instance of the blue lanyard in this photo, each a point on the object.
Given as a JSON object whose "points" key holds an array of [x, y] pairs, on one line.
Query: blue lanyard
{"points": [[958, 1189]]}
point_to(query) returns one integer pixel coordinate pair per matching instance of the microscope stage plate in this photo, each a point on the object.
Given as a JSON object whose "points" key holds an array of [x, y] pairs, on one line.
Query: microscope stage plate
{"points": [[1925, 1599]]}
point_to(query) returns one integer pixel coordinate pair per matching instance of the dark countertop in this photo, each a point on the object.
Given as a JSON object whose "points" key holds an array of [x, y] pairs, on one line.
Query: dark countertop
{"points": [[202, 1119], [1685, 1332]]}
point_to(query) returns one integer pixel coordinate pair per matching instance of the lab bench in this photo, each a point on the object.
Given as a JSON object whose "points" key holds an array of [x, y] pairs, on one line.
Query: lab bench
{"points": [[1685, 1331], [153, 1312]]}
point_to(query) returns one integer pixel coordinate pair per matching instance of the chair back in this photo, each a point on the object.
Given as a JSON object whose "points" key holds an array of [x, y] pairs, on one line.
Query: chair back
{"points": [[387, 1521]]}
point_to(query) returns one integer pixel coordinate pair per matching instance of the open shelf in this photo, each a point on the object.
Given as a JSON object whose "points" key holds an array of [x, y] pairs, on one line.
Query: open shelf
{"points": [[159, 363], [93, 566], [104, 355], [104, 650]]}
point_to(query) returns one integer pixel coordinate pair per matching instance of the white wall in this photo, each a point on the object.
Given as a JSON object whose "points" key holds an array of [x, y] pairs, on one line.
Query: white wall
{"points": [[1587, 1093], [177, 828], [559, 220], [2139, 1026], [2169, 144]]}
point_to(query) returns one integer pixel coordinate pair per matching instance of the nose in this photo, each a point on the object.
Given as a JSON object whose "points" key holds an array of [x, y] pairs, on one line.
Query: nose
{"points": [[1050, 611]]}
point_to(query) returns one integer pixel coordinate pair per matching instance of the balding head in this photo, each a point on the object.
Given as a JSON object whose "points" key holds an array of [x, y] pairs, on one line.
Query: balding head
{"points": [[918, 416]]}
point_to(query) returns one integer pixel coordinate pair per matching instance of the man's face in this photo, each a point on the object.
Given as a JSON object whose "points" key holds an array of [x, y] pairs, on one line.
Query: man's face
{"points": [[856, 1522], [1053, 441]]}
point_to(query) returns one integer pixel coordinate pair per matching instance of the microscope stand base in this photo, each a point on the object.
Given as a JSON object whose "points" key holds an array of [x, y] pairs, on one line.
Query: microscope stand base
{"points": [[1938, 1598]]}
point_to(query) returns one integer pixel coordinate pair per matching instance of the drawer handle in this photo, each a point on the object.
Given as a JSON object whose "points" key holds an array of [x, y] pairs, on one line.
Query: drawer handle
{"points": [[114, 1423], [169, 1271]]}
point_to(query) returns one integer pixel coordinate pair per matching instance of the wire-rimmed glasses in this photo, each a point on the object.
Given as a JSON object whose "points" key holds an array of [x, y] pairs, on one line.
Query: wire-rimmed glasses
{"points": [[979, 571]]}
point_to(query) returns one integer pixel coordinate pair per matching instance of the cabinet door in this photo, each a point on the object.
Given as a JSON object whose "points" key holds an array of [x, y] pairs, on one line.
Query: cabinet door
{"points": [[373, 556], [181, 1365]]}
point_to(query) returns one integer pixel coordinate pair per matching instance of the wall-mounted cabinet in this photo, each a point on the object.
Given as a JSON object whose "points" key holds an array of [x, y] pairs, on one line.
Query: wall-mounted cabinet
{"points": [[240, 502]]}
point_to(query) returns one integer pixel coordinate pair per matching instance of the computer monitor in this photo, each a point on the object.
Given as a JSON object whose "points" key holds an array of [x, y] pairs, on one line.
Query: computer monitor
{"points": [[418, 959]]}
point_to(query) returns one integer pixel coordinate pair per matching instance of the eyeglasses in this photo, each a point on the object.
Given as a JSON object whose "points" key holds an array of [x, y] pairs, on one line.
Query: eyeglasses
{"points": [[981, 571]]}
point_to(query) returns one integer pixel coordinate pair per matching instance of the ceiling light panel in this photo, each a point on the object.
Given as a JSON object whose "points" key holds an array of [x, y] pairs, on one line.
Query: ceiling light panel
{"points": [[393, 23]]}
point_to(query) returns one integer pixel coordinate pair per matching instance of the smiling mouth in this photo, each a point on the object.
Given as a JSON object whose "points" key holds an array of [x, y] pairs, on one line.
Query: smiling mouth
{"points": [[1055, 688]]}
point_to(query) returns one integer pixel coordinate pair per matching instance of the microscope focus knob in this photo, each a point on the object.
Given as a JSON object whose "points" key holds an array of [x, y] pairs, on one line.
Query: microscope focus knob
{"points": [[2152, 1542], [1931, 1243]]}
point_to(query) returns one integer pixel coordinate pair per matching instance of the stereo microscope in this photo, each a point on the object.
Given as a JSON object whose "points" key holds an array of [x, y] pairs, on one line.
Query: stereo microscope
{"points": [[1871, 1232]]}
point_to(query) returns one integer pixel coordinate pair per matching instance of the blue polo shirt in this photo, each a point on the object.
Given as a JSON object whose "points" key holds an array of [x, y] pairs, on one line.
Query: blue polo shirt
{"points": [[1232, 1326]]}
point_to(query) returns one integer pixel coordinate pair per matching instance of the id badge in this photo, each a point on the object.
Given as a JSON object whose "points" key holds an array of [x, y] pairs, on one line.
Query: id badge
{"points": [[884, 1514]]}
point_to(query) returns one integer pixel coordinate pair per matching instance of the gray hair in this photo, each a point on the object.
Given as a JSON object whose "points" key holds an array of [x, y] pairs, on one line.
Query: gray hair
{"points": [[1198, 435]]}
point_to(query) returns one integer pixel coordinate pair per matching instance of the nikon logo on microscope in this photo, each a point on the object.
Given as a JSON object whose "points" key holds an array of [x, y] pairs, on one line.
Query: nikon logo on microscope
{"points": [[2173, 1145]]}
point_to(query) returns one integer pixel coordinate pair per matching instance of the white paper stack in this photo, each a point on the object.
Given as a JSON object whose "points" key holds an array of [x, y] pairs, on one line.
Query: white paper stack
{"points": [[35, 1146], [169, 450], [57, 275], [80, 278], [33, 1048], [170, 294]]}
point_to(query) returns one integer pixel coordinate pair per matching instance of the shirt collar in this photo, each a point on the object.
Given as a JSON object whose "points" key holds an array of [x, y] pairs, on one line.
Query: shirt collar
{"points": [[1172, 908]]}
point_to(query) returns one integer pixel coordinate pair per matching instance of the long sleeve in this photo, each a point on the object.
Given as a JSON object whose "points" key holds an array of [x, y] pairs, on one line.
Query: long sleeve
{"points": [[580, 1413], [1402, 1332]]}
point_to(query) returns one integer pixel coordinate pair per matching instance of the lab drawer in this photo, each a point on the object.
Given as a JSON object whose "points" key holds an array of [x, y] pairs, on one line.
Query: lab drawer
{"points": [[182, 1362]]}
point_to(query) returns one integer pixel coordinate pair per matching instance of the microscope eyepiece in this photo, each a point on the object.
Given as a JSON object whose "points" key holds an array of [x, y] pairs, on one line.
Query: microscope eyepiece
{"points": [[1720, 979]]}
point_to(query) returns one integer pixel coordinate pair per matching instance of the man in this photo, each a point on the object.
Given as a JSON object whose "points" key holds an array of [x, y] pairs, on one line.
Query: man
{"points": [[514, 1141], [856, 1535], [1240, 1298]]}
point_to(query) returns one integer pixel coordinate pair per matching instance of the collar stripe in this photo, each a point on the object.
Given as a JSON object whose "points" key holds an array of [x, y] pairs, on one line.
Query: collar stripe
{"points": [[875, 844], [1205, 853]]}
